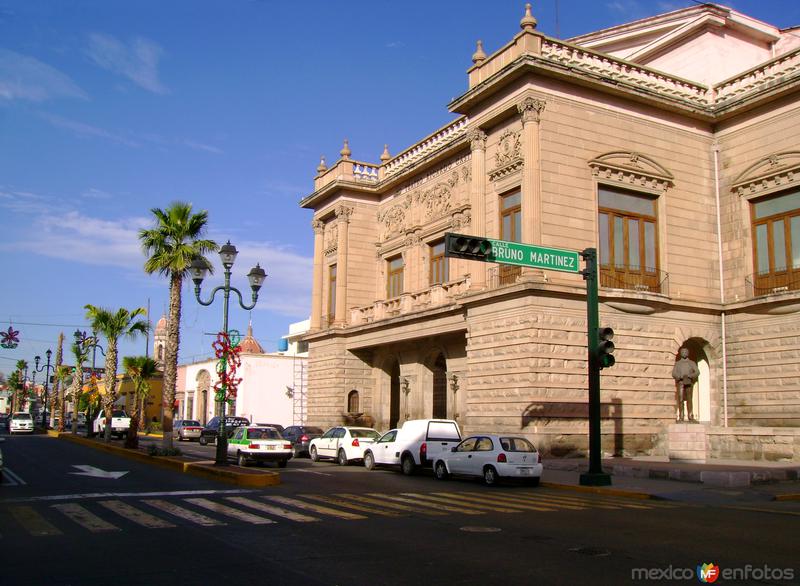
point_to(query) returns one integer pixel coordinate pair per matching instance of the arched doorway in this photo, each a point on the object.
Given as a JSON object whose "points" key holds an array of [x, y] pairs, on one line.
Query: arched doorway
{"points": [[203, 380], [701, 393], [439, 388], [394, 396]]}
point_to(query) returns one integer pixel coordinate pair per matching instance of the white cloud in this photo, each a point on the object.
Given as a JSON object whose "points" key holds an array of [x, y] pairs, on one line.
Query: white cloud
{"points": [[22, 201], [94, 193], [199, 146], [83, 129], [26, 78], [137, 61]]}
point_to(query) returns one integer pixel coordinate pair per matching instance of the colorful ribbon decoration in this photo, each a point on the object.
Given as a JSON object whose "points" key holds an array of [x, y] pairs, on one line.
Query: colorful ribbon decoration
{"points": [[226, 349]]}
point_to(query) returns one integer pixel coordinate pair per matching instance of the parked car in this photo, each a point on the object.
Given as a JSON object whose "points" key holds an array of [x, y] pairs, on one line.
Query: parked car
{"points": [[343, 444], [210, 431], [120, 423], [20, 422], [491, 457], [417, 443], [4, 421], [81, 421], [186, 429], [301, 436], [258, 443]]}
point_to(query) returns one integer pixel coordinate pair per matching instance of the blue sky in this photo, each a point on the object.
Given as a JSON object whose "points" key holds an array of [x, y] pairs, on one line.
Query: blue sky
{"points": [[111, 108]]}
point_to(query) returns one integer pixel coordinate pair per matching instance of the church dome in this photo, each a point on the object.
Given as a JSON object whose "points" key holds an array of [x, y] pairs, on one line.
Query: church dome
{"points": [[249, 345], [161, 326]]}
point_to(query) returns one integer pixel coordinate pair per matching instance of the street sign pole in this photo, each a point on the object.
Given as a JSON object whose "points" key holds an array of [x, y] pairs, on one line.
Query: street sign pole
{"points": [[595, 476]]}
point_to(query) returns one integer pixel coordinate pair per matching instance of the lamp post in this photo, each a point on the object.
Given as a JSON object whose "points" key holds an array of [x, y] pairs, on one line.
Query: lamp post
{"points": [[46, 368], [89, 342], [256, 276]]}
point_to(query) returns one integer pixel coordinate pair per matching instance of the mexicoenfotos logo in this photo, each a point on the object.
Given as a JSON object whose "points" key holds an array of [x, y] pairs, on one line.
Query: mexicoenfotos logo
{"points": [[707, 573]]}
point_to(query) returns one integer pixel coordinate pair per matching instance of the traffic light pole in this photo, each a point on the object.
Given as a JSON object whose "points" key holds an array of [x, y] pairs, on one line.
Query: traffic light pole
{"points": [[595, 476]]}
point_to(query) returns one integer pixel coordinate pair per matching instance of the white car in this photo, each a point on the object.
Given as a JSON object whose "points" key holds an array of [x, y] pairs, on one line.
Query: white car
{"points": [[259, 444], [417, 444], [342, 444], [20, 422], [491, 457], [120, 423]]}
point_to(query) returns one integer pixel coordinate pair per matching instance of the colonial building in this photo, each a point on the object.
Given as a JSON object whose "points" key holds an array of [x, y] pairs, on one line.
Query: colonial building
{"points": [[670, 145]]}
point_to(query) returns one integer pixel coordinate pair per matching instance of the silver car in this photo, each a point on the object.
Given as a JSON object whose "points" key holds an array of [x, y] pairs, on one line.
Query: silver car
{"points": [[186, 429], [21, 422]]}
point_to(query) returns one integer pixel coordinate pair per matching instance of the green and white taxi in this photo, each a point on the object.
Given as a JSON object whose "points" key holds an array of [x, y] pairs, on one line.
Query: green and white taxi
{"points": [[256, 443]]}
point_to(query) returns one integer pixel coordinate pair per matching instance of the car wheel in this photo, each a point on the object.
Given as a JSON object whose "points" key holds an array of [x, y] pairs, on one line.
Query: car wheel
{"points": [[203, 441], [295, 453], [342, 459], [490, 476], [313, 454], [282, 463], [407, 465], [440, 471], [242, 460], [369, 461]]}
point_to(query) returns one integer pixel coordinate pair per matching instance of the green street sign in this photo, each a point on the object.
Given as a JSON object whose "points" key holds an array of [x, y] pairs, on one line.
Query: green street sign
{"points": [[512, 253]]}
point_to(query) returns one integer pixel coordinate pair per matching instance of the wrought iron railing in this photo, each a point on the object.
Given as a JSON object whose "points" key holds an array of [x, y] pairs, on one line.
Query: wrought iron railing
{"points": [[774, 283], [643, 279]]}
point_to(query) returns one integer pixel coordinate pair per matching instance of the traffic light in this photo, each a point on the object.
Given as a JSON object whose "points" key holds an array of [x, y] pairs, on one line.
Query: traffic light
{"points": [[470, 247], [604, 352]]}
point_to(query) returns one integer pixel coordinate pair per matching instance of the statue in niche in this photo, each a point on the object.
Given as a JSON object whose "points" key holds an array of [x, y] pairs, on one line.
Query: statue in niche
{"points": [[685, 373]]}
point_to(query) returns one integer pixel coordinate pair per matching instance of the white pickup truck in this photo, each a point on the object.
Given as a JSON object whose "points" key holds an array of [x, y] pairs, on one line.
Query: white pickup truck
{"points": [[120, 423]]}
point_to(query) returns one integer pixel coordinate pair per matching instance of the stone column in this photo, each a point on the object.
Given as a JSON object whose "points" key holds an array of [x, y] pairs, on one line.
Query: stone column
{"points": [[477, 199], [530, 110], [316, 290], [343, 214]]}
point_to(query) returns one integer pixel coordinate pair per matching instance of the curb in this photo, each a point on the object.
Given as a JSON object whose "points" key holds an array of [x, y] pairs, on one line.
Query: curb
{"points": [[787, 497], [602, 490], [230, 474]]}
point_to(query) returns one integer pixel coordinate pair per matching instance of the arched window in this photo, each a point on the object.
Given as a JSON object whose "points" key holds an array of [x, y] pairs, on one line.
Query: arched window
{"points": [[352, 401], [160, 353]]}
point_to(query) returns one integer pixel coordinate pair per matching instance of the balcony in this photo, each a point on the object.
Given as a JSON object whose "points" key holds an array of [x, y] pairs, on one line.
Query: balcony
{"points": [[434, 296], [774, 283], [640, 279]]}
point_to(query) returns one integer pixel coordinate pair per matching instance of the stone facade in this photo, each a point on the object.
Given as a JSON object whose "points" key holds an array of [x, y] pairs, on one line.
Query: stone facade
{"points": [[554, 124]]}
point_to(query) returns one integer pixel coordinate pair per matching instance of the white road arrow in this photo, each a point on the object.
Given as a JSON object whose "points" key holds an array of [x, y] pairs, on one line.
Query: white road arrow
{"points": [[96, 472]]}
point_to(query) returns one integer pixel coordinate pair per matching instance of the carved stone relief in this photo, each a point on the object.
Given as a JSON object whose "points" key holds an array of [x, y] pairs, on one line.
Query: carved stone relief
{"points": [[508, 158]]}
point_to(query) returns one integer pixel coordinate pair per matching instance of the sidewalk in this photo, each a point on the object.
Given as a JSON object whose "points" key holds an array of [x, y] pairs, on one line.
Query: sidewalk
{"points": [[716, 481]]}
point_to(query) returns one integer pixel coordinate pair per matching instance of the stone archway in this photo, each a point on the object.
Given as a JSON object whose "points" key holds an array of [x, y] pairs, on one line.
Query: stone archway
{"points": [[203, 380], [701, 393]]}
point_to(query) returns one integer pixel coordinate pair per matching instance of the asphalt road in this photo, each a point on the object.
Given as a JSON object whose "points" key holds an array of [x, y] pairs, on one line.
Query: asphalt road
{"points": [[327, 524]]}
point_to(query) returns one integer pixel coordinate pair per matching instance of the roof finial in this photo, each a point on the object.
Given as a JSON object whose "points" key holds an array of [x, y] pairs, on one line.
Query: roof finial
{"points": [[479, 56], [345, 152], [322, 167], [385, 156], [528, 22]]}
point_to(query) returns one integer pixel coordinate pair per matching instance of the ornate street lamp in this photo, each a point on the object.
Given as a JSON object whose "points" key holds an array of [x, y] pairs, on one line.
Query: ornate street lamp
{"points": [[198, 270], [89, 342], [46, 368]]}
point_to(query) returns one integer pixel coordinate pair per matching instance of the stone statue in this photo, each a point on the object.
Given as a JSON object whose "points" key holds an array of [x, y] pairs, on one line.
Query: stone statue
{"points": [[685, 374]]}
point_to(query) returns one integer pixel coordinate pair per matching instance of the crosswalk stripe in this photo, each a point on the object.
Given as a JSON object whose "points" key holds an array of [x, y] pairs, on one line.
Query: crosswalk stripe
{"points": [[480, 506], [182, 513], [546, 502], [332, 500], [230, 511], [437, 506], [85, 518], [593, 499], [569, 500], [33, 522], [277, 511], [390, 505], [133, 514], [500, 501], [316, 508]]}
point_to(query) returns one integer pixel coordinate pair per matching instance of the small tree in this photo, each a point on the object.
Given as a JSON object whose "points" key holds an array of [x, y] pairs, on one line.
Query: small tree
{"points": [[62, 376], [139, 369], [81, 354]]}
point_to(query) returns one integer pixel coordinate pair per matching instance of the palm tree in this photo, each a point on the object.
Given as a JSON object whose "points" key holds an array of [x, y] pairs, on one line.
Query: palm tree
{"points": [[140, 369], [171, 247], [58, 385], [114, 325], [61, 375], [81, 353], [19, 388]]}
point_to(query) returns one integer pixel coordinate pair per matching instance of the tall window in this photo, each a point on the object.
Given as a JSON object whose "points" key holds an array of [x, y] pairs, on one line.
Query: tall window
{"points": [[352, 401], [331, 293], [776, 243], [511, 230], [394, 281], [438, 265], [628, 240]]}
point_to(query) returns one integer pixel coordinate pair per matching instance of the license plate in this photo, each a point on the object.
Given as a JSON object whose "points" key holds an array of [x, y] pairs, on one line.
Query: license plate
{"points": [[270, 447], [525, 471]]}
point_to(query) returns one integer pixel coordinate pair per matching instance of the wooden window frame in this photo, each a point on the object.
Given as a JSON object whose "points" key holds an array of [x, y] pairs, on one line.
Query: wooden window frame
{"points": [[393, 289], [437, 264], [353, 398], [776, 279], [331, 292], [508, 273]]}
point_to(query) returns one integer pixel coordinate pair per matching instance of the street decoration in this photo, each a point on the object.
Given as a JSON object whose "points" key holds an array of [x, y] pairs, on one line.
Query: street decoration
{"points": [[226, 349], [9, 339]]}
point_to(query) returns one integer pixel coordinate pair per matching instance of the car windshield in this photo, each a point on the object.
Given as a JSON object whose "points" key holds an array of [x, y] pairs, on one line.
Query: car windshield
{"points": [[22, 415], [191, 422], [365, 433], [118, 414], [516, 444], [263, 433]]}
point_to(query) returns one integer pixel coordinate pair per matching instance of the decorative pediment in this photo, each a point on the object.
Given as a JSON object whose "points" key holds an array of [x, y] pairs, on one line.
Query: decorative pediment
{"points": [[394, 218], [437, 200], [508, 158], [331, 238], [775, 171], [633, 169]]}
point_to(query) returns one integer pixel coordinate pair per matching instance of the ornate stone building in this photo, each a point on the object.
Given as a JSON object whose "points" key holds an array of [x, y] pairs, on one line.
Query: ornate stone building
{"points": [[670, 145]]}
